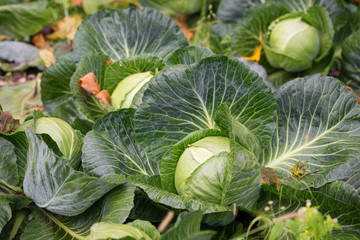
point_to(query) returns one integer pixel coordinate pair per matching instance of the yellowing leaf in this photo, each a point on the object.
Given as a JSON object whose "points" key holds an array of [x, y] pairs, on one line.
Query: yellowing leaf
{"points": [[66, 28], [256, 54], [47, 57]]}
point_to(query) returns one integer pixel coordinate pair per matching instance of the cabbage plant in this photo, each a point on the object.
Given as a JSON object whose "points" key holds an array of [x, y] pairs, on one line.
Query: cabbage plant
{"points": [[297, 38]]}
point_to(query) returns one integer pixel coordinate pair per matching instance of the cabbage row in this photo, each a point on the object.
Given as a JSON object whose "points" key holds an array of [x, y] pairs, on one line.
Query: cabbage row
{"points": [[187, 130]]}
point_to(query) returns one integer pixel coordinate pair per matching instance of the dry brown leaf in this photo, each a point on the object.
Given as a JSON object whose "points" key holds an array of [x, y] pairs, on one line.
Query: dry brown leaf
{"points": [[90, 84], [3, 37], [7, 122], [104, 97], [268, 176], [184, 27], [66, 28], [108, 61], [40, 42], [47, 57], [76, 2]]}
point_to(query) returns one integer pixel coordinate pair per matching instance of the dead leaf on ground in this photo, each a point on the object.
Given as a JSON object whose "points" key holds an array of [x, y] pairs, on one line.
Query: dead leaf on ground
{"points": [[40, 42], [184, 27], [3, 37], [7, 122], [47, 57], [76, 2], [66, 28], [90, 84]]}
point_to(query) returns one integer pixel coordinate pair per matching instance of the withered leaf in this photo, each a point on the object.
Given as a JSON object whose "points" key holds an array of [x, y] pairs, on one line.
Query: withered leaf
{"points": [[90, 84], [7, 122], [268, 176]]}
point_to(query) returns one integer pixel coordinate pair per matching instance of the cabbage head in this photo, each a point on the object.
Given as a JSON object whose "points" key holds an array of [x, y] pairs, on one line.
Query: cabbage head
{"points": [[294, 39], [194, 156], [296, 42]]}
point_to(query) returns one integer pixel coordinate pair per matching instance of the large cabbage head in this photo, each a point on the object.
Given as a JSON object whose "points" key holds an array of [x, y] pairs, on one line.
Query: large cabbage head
{"points": [[198, 164]]}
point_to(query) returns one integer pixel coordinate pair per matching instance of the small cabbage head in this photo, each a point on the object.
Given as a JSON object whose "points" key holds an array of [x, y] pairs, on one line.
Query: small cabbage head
{"points": [[292, 44], [125, 92], [199, 165]]}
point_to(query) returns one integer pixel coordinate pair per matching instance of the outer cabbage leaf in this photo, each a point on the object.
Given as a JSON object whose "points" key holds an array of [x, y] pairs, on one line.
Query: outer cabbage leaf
{"points": [[147, 228], [56, 95], [65, 137], [153, 188], [119, 70], [233, 10], [111, 148], [337, 9], [253, 26], [339, 199], [350, 62], [21, 145], [5, 211], [55, 186], [134, 31], [8, 165], [90, 106], [183, 99], [318, 122], [189, 55], [173, 7], [187, 226], [21, 20], [114, 207]]}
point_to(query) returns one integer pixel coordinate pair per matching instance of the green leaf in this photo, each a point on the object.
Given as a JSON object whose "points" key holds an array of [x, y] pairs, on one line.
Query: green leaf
{"points": [[252, 26], [111, 148], [318, 123], [134, 31], [220, 38], [337, 9], [147, 228], [89, 106], [114, 207], [10, 52], [5, 212], [152, 187], [319, 18], [145, 209], [189, 55], [350, 62], [187, 226], [242, 134], [117, 204], [56, 95], [21, 145], [173, 7], [21, 20], [338, 199], [233, 10], [8, 165], [183, 99], [55, 186], [121, 69], [115, 231], [62, 133]]}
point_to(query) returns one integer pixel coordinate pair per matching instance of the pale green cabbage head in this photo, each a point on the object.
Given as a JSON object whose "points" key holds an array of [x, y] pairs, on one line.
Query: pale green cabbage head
{"points": [[292, 44], [197, 154]]}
